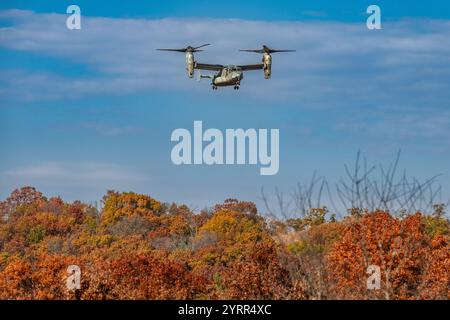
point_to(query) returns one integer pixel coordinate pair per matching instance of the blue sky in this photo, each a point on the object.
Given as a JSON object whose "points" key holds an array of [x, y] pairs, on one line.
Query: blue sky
{"points": [[90, 110], [348, 10]]}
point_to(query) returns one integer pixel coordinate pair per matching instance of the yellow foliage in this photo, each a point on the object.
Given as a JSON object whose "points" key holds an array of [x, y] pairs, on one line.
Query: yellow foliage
{"points": [[232, 226], [127, 204]]}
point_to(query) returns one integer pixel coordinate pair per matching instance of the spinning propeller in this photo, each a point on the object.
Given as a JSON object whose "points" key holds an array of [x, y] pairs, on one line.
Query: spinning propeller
{"points": [[187, 49], [266, 49]]}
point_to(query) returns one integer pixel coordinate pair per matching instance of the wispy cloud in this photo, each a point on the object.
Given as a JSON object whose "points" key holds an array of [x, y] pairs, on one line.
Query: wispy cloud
{"points": [[85, 173], [315, 13], [111, 130], [72, 180]]}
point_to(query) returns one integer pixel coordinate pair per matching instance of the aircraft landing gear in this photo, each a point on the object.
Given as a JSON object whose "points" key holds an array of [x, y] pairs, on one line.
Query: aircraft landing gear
{"points": [[214, 87], [236, 87]]}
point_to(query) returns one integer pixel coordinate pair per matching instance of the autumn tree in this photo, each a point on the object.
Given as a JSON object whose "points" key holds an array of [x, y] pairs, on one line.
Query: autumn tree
{"points": [[400, 247], [19, 200], [259, 275], [127, 204], [140, 276], [41, 277]]}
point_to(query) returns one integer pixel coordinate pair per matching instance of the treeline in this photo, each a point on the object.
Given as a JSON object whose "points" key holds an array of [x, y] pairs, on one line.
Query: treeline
{"points": [[137, 247]]}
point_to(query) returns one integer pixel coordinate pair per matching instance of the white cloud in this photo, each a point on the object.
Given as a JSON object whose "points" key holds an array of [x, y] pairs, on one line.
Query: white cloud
{"points": [[85, 173], [72, 181], [110, 130]]}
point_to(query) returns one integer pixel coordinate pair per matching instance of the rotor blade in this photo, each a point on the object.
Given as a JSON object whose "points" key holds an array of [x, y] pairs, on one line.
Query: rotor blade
{"points": [[248, 50], [207, 44], [273, 50], [266, 49], [177, 50]]}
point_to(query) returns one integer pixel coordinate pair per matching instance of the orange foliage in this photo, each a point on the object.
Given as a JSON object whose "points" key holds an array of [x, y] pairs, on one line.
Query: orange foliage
{"points": [[400, 247], [140, 276], [436, 280], [260, 275], [39, 277]]}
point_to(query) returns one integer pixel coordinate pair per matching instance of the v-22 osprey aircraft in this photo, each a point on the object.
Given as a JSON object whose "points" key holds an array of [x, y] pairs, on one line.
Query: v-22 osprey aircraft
{"points": [[227, 75]]}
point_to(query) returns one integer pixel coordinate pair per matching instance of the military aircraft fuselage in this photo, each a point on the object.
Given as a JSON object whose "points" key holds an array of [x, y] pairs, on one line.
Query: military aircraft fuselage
{"points": [[228, 77]]}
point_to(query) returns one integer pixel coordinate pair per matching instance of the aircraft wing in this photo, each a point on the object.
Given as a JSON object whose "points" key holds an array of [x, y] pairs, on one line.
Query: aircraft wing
{"points": [[249, 67], [210, 67]]}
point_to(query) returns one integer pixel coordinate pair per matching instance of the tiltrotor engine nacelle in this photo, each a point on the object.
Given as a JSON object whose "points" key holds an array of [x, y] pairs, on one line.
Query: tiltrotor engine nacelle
{"points": [[267, 61], [190, 64]]}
